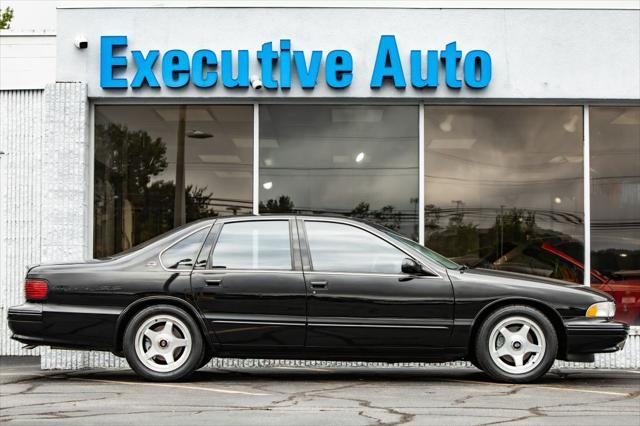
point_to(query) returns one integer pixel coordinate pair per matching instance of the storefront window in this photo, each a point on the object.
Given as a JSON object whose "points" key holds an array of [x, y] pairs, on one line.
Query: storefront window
{"points": [[360, 161], [615, 206], [503, 187], [144, 152]]}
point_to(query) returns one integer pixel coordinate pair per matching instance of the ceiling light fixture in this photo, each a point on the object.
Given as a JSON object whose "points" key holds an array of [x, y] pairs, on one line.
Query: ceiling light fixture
{"points": [[198, 134], [570, 126], [447, 124], [267, 185], [360, 157]]}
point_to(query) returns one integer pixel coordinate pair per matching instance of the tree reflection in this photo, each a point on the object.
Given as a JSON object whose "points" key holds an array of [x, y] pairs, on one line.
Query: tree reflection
{"points": [[130, 205]]}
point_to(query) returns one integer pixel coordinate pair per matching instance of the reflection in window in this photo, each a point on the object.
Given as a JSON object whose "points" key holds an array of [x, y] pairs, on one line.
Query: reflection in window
{"points": [[359, 161], [615, 206], [182, 254], [253, 245], [343, 248], [503, 183], [143, 152]]}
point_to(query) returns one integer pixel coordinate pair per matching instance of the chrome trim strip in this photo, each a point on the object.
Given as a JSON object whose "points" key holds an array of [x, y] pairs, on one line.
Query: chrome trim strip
{"points": [[257, 322], [324, 324], [246, 271]]}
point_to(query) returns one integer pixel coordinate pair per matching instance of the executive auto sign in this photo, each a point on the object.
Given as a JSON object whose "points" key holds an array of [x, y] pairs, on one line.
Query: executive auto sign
{"points": [[204, 68]]}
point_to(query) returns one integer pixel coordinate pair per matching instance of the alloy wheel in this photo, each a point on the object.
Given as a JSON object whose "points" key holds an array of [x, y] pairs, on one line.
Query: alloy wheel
{"points": [[163, 343], [517, 345]]}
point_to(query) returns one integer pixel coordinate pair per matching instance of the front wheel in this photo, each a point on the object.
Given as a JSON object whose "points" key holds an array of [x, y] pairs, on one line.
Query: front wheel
{"points": [[163, 343], [516, 344]]}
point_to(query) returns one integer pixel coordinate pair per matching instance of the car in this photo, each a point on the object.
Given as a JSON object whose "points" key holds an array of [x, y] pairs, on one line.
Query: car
{"points": [[556, 258], [308, 287]]}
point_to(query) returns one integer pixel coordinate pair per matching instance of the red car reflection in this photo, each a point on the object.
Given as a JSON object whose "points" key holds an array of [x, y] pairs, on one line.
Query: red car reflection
{"points": [[547, 259], [626, 292]]}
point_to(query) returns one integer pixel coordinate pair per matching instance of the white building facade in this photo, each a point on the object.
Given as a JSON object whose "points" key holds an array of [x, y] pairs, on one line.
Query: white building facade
{"points": [[506, 138]]}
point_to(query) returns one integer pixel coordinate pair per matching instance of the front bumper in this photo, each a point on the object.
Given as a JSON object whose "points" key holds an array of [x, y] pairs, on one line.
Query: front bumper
{"points": [[595, 335]]}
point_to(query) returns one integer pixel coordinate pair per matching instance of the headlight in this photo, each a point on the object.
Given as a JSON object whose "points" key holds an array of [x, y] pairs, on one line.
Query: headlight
{"points": [[602, 310]]}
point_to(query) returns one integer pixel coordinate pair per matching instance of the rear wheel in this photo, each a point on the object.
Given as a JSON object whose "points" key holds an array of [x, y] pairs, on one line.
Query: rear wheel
{"points": [[516, 344], [208, 355], [163, 343]]}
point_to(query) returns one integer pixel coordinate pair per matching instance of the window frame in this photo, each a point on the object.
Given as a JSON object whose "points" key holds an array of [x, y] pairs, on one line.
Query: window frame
{"points": [[209, 226], [308, 264], [219, 227]]}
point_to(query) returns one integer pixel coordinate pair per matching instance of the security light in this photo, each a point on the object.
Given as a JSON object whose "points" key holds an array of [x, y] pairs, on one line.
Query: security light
{"points": [[81, 42], [256, 83]]}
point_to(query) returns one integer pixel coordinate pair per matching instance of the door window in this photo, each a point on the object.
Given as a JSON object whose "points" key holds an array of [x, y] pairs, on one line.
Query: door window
{"points": [[253, 245], [182, 254], [337, 247]]}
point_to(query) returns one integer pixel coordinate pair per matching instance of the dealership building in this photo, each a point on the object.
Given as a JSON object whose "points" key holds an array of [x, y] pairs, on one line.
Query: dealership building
{"points": [[504, 137]]}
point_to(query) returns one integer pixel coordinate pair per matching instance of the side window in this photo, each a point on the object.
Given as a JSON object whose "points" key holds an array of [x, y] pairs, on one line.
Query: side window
{"points": [[182, 254], [253, 245], [343, 248]]}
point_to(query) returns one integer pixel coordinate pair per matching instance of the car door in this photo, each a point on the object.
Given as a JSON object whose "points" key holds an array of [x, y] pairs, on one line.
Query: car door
{"points": [[252, 290], [358, 296]]}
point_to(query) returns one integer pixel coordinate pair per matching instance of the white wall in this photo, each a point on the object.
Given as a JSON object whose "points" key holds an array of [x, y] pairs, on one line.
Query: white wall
{"points": [[537, 54], [27, 59], [21, 136]]}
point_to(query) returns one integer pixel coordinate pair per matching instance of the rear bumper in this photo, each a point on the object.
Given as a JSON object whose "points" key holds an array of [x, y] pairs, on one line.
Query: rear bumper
{"points": [[63, 326], [25, 321], [594, 335]]}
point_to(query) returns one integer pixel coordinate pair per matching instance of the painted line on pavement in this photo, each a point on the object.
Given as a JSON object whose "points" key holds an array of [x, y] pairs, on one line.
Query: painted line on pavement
{"points": [[165, 385], [560, 388]]}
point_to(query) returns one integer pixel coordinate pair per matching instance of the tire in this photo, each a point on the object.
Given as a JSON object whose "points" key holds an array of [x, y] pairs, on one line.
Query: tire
{"points": [[160, 355], [509, 352], [206, 357]]}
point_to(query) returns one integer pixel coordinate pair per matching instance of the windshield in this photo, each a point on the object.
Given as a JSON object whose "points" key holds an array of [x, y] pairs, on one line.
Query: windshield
{"points": [[436, 257]]}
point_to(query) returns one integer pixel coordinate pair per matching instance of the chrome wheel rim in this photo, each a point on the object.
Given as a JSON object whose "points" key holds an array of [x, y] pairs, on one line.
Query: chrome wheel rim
{"points": [[517, 345], [163, 343]]}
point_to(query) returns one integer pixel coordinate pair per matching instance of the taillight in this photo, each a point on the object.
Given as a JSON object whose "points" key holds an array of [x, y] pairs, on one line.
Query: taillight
{"points": [[36, 290]]}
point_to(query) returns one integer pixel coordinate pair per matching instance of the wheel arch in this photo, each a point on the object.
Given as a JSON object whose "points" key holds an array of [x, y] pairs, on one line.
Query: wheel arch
{"points": [[130, 311], [549, 311]]}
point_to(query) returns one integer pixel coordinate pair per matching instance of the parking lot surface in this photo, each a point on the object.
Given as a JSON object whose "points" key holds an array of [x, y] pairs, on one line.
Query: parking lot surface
{"points": [[316, 396]]}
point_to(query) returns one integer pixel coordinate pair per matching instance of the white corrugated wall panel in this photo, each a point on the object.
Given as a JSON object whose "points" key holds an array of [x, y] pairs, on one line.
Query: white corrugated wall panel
{"points": [[21, 136]]}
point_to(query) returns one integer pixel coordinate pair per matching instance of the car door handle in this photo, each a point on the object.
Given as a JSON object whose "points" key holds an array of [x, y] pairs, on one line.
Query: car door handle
{"points": [[213, 283], [319, 285]]}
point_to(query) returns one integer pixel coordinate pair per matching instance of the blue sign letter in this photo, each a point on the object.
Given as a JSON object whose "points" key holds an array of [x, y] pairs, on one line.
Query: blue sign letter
{"points": [[266, 57], [450, 56], [145, 68], [175, 68], [108, 62], [307, 76], [199, 76], [339, 65], [243, 69], [388, 64], [471, 61], [285, 64], [432, 69]]}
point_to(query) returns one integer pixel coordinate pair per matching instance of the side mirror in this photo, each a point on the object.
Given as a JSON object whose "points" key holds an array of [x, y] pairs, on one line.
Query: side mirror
{"points": [[410, 266]]}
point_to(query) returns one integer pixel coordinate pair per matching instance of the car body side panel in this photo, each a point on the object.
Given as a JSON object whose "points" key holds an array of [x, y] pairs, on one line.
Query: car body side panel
{"points": [[477, 289]]}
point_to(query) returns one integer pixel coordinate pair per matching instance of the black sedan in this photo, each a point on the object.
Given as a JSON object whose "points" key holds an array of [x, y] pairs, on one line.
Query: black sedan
{"points": [[305, 287]]}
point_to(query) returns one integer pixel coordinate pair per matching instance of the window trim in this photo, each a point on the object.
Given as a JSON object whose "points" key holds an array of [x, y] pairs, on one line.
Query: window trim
{"points": [[231, 220]]}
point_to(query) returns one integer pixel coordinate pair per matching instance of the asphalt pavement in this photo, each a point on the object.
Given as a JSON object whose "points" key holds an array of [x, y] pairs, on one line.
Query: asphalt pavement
{"points": [[316, 396]]}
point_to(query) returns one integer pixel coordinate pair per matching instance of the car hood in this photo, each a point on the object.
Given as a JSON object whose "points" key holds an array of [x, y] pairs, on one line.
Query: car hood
{"points": [[516, 278]]}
